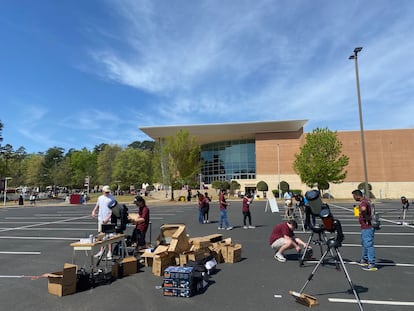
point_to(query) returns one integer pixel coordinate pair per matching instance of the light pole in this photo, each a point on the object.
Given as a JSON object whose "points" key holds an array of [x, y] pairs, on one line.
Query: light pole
{"points": [[361, 123], [5, 190], [278, 171], [201, 180]]}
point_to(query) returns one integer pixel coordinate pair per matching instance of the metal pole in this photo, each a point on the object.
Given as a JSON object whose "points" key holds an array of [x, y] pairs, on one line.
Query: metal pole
{"points": [[361, 123], [5, 190], [278, 171]]}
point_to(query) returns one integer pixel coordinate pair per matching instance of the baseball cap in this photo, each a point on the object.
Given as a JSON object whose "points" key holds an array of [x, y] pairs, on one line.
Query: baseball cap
{"points": [[106, 189]]}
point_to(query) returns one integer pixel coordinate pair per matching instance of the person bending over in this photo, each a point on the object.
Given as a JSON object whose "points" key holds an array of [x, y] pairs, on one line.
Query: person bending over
{"points": [[283, 238]]}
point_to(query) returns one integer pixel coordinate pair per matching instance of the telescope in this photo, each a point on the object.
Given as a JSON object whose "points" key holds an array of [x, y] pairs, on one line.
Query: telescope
{"points": [[119, 212], [332, 225]]}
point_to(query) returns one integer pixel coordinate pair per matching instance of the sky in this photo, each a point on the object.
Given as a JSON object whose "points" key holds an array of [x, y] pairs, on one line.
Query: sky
{"points": [[80, 73]]}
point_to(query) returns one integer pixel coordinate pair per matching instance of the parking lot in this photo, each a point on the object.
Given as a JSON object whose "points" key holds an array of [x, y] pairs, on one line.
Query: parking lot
{"points": [[35, 240]]}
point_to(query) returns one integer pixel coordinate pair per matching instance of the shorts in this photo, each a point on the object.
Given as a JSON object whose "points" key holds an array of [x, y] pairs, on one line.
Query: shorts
{"points": [[278, 243]]}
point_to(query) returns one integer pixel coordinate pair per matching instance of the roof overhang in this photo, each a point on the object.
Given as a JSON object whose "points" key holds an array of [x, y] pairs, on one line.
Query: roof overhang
{"points": [[208, 133]]}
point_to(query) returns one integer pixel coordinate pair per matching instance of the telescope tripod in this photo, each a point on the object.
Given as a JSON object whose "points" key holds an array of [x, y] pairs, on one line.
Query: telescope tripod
{"points": [[322, 239], [338, 254]]}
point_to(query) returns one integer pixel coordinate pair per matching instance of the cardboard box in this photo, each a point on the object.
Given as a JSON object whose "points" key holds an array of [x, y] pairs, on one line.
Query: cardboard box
{"points": [[232, 253], [129, 266], [175, 236], [200, 242], [161, 262], [62, 283], [148, 256], [198, 255]]}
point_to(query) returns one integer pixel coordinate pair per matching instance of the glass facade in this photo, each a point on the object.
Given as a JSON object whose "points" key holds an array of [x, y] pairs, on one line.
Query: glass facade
{"points": [[228, 160]]}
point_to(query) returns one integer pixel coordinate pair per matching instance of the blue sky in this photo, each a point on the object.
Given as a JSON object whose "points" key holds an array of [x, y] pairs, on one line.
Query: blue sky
{"points": [[78, 73]]}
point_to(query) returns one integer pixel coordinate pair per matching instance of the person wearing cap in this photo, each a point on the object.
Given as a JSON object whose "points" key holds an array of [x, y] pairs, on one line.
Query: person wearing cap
{"points": [[103, 211], [283, 238], [141, 222]]}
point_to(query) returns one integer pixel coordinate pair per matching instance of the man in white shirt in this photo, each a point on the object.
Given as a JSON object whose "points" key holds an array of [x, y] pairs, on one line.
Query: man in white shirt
{"points": [[103, 210]]}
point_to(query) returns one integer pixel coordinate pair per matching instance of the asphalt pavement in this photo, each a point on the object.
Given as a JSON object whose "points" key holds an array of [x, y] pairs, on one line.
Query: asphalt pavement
{"points": [[35, 240]]}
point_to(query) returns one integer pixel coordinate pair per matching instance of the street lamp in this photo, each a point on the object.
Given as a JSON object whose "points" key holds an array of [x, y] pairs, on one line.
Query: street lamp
{"points": [[5, 190], [361, 124], [278, 172]]}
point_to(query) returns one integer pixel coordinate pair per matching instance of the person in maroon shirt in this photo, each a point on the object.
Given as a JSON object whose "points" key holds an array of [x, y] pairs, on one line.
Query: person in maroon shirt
{"points": [[283, 238], [247, 200], [142, 222], [367, 232]]}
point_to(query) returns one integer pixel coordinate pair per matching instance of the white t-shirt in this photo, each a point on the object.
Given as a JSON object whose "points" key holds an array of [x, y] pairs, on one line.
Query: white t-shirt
{"points": [[288, 195], [103, 203]]}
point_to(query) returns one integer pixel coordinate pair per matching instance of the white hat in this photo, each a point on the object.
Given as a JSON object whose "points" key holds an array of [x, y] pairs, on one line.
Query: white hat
{"points": [[106, 189]]}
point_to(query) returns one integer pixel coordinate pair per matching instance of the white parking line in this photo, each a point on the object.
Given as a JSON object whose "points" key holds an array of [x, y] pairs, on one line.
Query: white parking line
{"points": [[374, 302], [21, 253]]}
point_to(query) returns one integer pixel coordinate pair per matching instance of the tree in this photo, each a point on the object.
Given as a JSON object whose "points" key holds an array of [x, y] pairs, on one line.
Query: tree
{"points": [[234, 185], [181, 156], [106, 158], [320, 160], [262, 186], [132, 167]]}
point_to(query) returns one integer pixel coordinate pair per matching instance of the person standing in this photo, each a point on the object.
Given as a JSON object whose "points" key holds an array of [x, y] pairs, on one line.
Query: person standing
{"points": [[141, 222], [367, 232], [283, 238], [223, 211], [405, 206], [201, 199], [204, 206], [103, 210], [247, 200]]}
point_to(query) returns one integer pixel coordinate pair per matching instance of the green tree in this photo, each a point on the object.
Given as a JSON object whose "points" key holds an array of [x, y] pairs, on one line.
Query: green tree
{"points": [[7, 154], [320, 160], [262, 186], [217, 184], [234, 185], [132, 167], [34, 165], [106, 158], [182, 159]]}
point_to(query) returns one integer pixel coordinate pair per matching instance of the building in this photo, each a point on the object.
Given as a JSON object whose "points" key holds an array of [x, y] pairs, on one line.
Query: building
{"points": [[254, 151]]}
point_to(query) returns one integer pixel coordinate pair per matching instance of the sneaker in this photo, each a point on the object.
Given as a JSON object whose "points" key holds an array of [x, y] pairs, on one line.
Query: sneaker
{"points": [[362, 263], [109, 256], [280, 257], [207, 221], [251, 227], [97, 255], [220, 228], [229, 228], [370, 267], [245, 227]]}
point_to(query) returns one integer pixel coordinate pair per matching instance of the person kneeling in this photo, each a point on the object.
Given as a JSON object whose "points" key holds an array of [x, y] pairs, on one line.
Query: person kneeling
{"points": [[283, 238]]}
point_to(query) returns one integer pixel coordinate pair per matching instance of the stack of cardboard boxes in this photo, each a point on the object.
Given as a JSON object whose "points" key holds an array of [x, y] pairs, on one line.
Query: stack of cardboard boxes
{"points": [[175, 248]]}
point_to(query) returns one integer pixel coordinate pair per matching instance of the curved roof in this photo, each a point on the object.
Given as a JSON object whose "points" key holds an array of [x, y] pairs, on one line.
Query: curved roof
{"points": [[208, 133]]}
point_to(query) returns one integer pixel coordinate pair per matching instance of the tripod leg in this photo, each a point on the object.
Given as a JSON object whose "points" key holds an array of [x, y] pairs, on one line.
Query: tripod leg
{"points": [[313, 271], [302, 259], [349, 280]]}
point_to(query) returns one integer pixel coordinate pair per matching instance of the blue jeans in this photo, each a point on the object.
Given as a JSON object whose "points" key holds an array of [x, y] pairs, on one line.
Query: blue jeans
{"points": [[367, 243], [223, 218], [200, 216]]}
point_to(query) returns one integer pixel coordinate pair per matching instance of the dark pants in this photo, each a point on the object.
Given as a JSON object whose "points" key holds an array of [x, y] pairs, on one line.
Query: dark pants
{"points": [[138, 237], [247, 215]]}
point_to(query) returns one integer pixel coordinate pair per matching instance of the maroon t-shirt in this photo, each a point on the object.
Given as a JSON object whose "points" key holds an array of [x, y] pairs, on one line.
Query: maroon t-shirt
{"points": [[280, 231], [365, 221], [144, 213], [246, 204]]}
